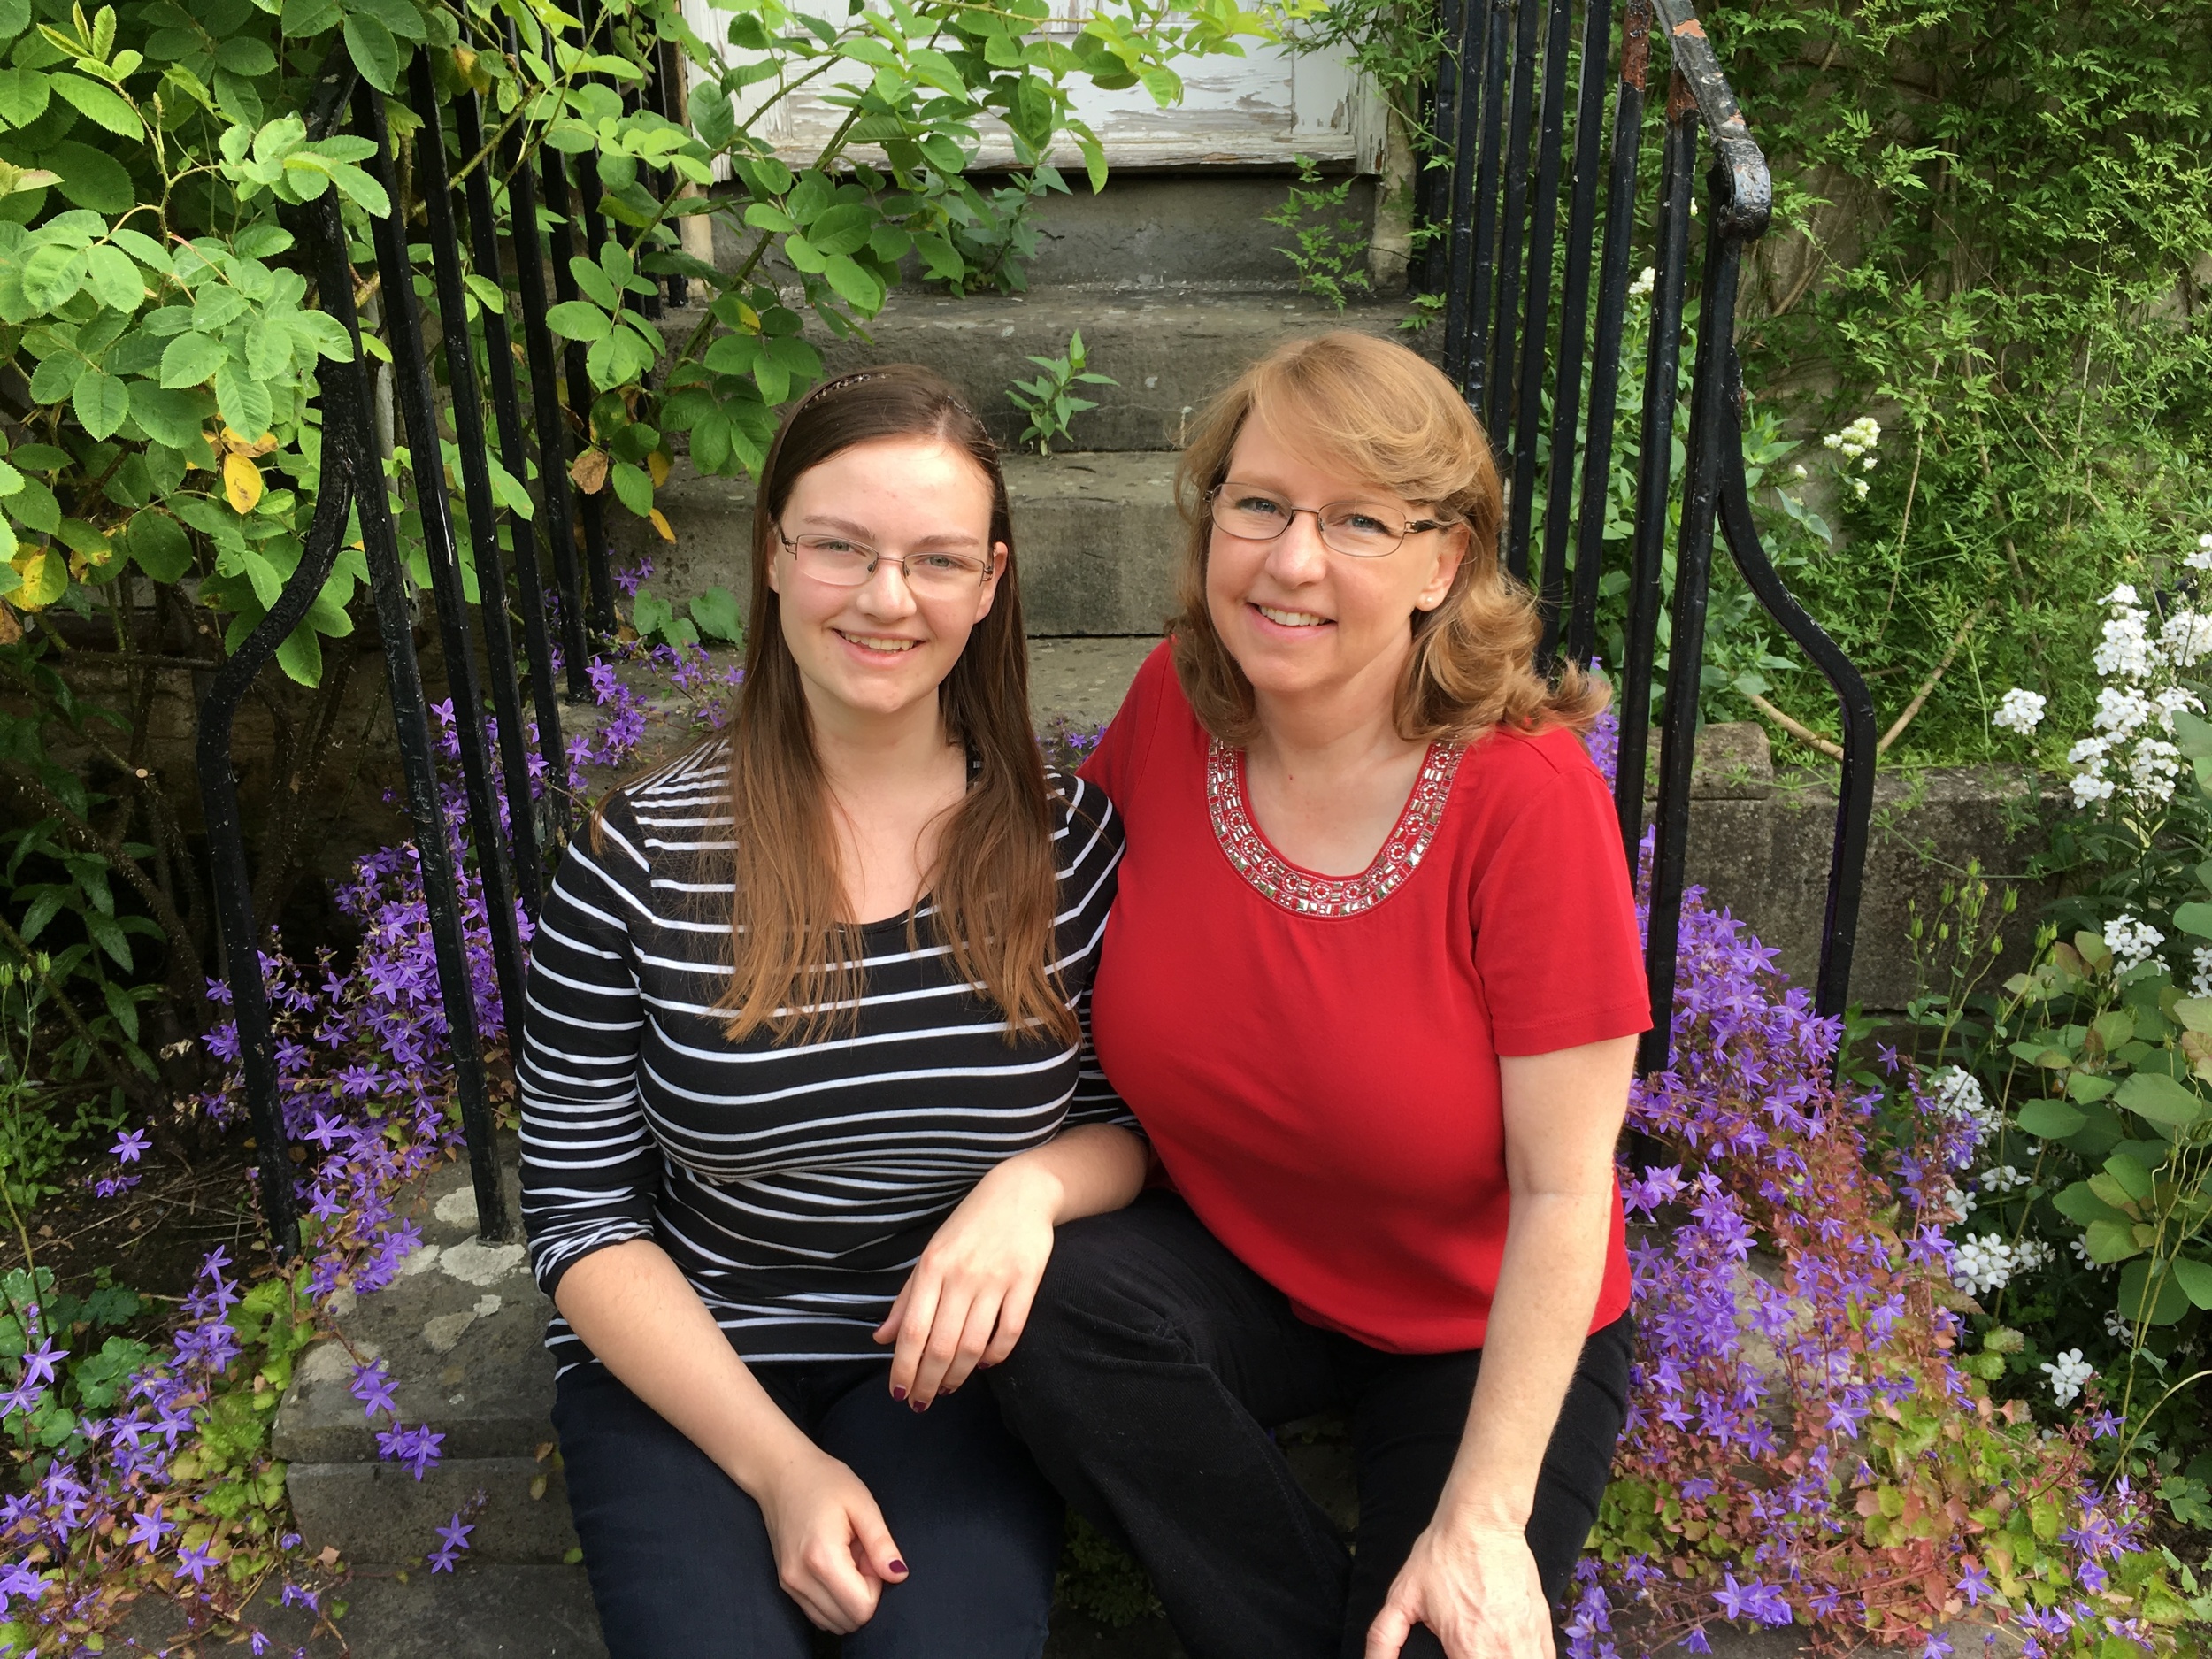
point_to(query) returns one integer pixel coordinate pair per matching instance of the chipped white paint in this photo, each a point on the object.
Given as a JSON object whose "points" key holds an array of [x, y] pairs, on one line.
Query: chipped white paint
{"points": [[487, 1306], [421, 1260], [476, 1262], [457, 1208], [1265, 106], [445, 1330]]}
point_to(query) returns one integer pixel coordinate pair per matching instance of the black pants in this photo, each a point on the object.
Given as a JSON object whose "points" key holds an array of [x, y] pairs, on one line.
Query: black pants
{"points": [[679, 1556], [1147, 1382]]}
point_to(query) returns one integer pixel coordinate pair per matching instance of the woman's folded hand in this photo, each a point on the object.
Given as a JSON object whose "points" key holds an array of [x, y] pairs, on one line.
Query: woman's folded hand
{"points": [[967, 1299], [833, 1553]]}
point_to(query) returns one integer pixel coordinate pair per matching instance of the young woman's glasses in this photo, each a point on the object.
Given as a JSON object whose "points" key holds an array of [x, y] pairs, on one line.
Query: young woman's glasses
{"points": [[838, 561], [1360, 529]]}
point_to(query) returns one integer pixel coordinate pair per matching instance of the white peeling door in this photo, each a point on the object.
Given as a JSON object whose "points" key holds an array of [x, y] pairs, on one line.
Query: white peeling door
{"points": [[1266, 107]]}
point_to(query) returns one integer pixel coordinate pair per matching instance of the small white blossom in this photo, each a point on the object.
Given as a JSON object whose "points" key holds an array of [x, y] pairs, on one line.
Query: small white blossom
{"points": [[1982, 1264], [2201, 984], [1867, 465], [2068, 1373], [2131, 942], [1859, 488], [2004, 1178], [2123, 594], [2117, 1328], [2201, 559], [2020, 711], [1646, 280], [1833, 441], [2170, 701], [1799, 471], [2031, 1254], [2091, 786], [2186, 637]]}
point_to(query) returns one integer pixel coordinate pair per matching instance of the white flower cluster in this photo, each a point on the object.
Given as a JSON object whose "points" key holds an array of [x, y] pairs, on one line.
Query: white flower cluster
{"points": [[1646, 280], [2200, 985], [2020, 711], [2132, 943], [2031, 1255], [1981, 1264], [2004, 1178], [1958, 1094], [2201, 559], [2129, 752], [2068, 1373], [1855, 442]]}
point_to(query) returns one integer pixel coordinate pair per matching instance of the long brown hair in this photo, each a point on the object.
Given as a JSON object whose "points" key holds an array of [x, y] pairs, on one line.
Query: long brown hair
{"points": [[1387, 415], [796, 955]]}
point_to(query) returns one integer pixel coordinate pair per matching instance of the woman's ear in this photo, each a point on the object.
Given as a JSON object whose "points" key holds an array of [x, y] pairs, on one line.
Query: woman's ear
{"points": [[775, 567], [999, 557], [1451, 550]]}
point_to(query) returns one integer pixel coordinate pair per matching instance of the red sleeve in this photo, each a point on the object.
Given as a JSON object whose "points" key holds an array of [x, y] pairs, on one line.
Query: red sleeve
{"points": [[1115, 763], [1556, 944]]}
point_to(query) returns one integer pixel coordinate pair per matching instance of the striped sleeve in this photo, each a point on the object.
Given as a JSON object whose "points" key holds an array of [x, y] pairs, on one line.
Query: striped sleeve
{"points": [[589, 1164], [1090, 862]]}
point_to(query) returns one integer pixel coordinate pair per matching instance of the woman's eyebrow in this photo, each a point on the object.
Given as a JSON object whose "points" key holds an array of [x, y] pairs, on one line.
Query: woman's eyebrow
{"points": [[864, 533]]}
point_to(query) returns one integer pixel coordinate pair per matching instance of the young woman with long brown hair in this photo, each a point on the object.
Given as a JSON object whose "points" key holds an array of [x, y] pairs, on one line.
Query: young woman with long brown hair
{"points": [[805, 1089], [1370, 986]]}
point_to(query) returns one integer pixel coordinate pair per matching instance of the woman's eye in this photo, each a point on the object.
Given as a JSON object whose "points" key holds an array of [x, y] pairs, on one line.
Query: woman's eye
{"points": [[1363, 524], [944, 563], [830, 544], [1257, 504]]}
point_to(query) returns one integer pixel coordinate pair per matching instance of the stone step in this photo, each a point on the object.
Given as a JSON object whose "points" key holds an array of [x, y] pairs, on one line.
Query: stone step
{"points": [[1188, 232], [1097, 536], [1168, 352]]}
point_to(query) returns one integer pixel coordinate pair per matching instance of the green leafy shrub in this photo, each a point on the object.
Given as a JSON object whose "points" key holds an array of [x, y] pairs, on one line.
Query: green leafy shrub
{"points": [[1050, 400]]}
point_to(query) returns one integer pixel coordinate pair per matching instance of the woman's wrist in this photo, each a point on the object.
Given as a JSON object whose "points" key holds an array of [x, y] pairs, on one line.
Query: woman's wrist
{"points": [[761, 1459], [1029, 1181], [1480, 1507]]}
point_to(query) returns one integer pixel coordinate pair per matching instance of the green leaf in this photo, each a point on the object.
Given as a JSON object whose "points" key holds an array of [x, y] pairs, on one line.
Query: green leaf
{"points": [[90, 178], [2133, 1178], [2078, 1204], [2050, 1119], [191, 359], [243, 55], [635, 485], [2194, 917], [2110, 1241], [52, 274], [175, 418], [108, 936], [300, 656], [34, 508], [157, 545], [2160, 1099], [244, 401], [2195, 1278], [487, 292], [854, 284], [374, 53], [23, 95], [100, 401], [716, 612], [114, 278], [103, 104], [578, 319], [303, 18], [404, 22], [2162, 1300]]}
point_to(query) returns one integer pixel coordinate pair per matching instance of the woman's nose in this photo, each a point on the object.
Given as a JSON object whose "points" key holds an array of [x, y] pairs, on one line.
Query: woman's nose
{"points": [[1298, 555], [886, 593]]}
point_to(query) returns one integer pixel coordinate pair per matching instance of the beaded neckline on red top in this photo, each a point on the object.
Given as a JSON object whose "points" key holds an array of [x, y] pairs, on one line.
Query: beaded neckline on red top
{"points": [[1300, 891]]}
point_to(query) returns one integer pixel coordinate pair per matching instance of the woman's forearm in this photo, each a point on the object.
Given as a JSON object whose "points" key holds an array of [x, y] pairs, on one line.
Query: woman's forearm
{"points": [[1547, 1287], [1086, 1171], [634, 1309]]}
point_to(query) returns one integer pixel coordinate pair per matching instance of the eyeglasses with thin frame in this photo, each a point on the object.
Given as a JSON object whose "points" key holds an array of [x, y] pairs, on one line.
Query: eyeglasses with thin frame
{"points": [[838, 561], [1357, 529]]}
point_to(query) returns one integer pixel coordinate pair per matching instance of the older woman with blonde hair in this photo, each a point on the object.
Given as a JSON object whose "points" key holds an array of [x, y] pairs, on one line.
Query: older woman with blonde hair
{"points": [[1371, 988]]}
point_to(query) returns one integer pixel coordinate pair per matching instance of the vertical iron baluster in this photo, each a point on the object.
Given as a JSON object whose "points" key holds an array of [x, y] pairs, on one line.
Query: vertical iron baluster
{"points": [[1433, 197], [1460, 272], [514, 455], [1654, 463], [347, 401], [417, 401], [1710, 426], [1855, 787], [1536, 308], [592, 506], [1497, 405], [1474, 376], [1605, 355], [1574, 316], [474, 453]]}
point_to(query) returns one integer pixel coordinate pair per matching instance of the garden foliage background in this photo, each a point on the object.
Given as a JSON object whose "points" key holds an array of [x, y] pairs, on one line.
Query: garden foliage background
{"points": [[1987, 285]]}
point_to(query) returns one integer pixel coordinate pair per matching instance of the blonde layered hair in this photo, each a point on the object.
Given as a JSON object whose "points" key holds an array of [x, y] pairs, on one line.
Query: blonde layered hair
{"points": [[1384, 414]]}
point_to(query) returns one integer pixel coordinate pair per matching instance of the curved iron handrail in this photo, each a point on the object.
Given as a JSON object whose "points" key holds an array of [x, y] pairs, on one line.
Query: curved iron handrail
{"points": [[1855, 789], [1748, 205]]}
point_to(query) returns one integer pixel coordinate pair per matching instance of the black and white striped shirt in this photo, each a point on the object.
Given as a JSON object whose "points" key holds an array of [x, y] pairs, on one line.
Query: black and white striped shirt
{"points": [[794, 1184]]}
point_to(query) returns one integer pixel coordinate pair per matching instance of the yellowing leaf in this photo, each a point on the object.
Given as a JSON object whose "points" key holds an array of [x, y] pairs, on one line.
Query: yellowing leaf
{"points": [[659, 464], [242, 482], [45, 577], [10, 630], [659, 521]]}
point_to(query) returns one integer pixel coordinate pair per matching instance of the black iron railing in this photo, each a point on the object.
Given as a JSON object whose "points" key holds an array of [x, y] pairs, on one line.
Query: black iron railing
{"points": [[1515, 333], [511, 861]]}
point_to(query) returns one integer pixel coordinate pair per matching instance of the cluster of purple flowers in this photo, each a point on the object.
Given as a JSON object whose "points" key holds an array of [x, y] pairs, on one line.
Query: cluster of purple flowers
{"points": [[1795, 1312]]}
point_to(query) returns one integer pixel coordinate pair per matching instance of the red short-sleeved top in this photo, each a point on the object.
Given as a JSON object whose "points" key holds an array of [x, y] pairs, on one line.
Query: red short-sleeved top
{"points": [[1315, 1059]]}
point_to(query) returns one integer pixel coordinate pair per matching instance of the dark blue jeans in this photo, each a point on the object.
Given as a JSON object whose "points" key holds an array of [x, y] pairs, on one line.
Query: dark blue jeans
{"points": [[679, 1556]]}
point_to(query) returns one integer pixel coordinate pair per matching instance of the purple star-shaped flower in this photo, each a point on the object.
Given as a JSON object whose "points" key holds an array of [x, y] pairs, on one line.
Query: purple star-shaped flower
{"points": [[38, 1365], [149, 1529], [131, 1144], [456, 1532], [194, 1560], [374, 1389]]}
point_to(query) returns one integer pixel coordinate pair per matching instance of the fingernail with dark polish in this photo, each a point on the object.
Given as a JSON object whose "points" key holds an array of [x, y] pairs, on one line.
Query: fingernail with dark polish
{"points": [[917, 1405], [898, 1566], [898, 1393]]}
